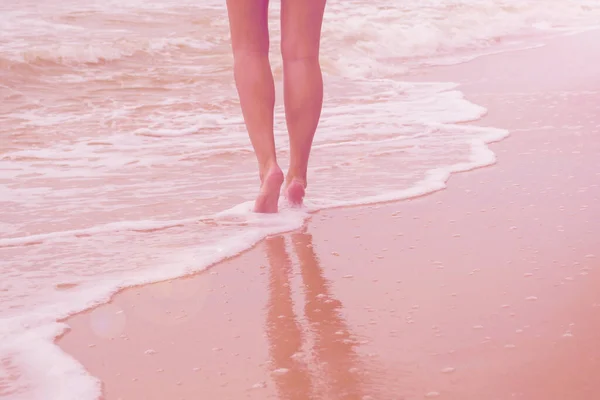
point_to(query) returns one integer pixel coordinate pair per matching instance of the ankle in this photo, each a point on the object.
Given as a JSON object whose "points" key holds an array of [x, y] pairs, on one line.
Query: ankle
{"points": [[296, 178], [268, 169]]}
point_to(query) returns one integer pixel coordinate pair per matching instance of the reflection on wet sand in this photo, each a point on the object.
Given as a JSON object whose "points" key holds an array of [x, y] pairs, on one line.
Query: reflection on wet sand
{"points": [[333, 355]]}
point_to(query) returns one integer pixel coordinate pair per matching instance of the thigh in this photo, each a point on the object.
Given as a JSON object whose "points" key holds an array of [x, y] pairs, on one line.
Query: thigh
{"points": [[301, 22], [248, 24]]}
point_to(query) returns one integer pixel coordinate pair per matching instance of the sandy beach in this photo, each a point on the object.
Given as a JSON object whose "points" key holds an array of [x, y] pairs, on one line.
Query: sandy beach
{"points": [[485, 290]]}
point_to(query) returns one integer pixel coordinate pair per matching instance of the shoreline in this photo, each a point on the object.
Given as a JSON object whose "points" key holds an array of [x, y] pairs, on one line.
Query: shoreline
{"points": [[74, 341]]}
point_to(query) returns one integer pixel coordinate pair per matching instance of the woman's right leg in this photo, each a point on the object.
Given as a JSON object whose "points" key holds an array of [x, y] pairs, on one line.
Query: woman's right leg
{"points": [[254, 80], [301, 23]]}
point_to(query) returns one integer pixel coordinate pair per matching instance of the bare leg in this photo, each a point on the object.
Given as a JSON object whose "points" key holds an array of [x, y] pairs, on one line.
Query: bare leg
{"points": [[254, 81], [303, 85]]}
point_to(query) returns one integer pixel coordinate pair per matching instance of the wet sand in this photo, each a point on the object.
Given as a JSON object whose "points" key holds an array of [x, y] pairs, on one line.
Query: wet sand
{"points": [[485, 290]]}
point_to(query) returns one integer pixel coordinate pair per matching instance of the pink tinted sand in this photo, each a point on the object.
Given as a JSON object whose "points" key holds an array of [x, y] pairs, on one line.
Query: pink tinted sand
{"points": [[486, 290]]}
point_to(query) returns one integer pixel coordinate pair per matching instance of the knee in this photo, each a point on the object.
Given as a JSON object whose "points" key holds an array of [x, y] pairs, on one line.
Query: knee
{"points": [[292, 51], [251, 50], [248, 56]]}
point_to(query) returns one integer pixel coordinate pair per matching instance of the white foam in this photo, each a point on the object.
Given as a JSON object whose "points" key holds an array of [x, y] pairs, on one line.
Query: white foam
{"points": [[51, 373], [435, 179], [165, 132], [436, 29], [113, 227]]}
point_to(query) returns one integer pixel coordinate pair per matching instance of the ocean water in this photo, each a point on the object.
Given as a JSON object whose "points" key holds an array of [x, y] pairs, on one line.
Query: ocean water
{"points": [[124, 158]]}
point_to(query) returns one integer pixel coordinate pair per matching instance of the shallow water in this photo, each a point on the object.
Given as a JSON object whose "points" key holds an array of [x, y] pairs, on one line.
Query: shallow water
{"points": [[124, 158]]}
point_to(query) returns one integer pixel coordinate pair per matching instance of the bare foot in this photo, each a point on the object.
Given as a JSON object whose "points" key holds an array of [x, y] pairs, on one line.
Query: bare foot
{"points": [[294, 192], [267, 199]]}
